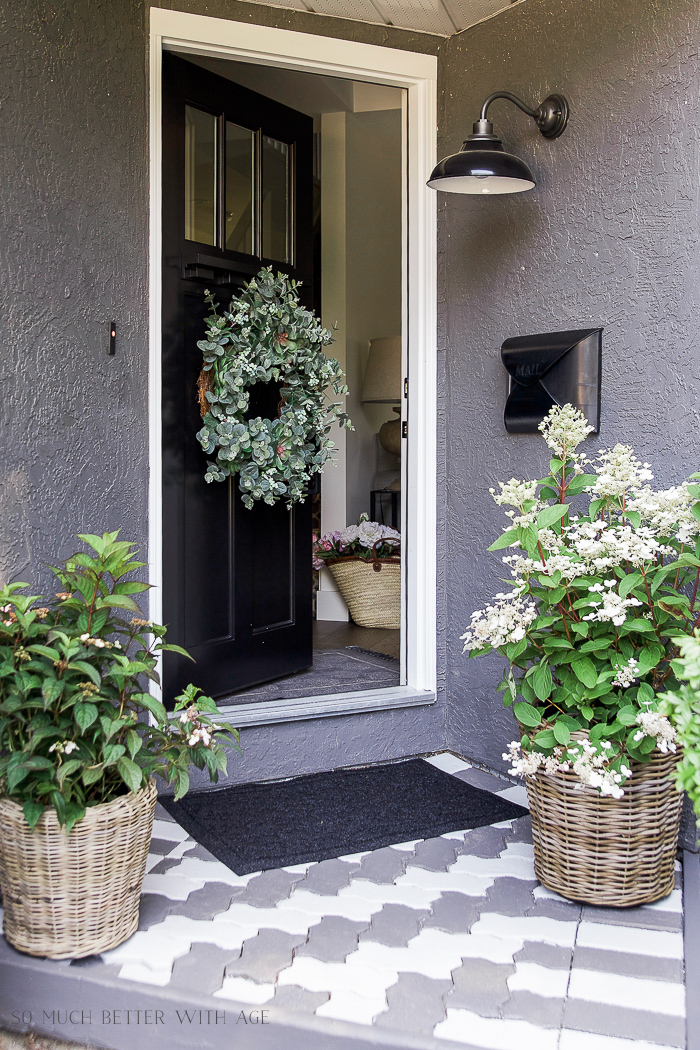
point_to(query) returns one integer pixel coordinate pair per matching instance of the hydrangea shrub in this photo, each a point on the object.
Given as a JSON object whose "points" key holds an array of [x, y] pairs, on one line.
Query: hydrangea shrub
{"points": [[266, 335], [357, 541], [604, 580]]}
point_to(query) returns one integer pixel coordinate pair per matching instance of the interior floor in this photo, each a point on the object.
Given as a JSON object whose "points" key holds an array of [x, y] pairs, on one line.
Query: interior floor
{"points": [[347, 659], [337, 634]]}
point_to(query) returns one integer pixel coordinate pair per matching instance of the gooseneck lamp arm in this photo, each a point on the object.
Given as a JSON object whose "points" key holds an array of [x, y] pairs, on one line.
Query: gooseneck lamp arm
{"points": [[511, 98], [551, 116], [482, 165]]}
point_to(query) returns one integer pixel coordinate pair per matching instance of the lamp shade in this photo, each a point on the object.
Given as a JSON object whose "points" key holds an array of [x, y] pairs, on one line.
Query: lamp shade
{"points": [[382, 383], [482, 167]]}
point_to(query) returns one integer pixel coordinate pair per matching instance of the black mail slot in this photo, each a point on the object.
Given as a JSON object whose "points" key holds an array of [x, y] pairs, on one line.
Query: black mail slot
{"points": [[555, 368]]}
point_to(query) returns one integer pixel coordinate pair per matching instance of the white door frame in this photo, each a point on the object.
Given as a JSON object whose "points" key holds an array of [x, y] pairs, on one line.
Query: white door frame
{"points": [[198, 34]]}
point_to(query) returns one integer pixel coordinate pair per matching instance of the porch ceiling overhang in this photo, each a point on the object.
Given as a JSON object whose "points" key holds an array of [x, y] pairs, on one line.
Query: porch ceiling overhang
{"points": [[440, 17]]}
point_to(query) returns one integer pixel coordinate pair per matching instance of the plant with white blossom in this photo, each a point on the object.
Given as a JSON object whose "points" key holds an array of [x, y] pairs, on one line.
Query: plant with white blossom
{"points": [[605, 580], [77, 727]]}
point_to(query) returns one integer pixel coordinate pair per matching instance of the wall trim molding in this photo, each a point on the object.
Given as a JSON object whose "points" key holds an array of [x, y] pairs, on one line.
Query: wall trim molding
{"points": [[417, 73]]}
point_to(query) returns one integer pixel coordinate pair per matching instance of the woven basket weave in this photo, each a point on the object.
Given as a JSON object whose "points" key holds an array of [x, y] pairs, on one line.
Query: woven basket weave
{"points": [[68, 896], [371, 589], [605, 851]]}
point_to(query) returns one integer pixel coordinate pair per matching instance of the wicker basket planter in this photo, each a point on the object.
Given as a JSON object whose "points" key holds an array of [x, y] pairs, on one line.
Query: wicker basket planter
{"points": [[371, 589], [68, 896], [605, 851]]}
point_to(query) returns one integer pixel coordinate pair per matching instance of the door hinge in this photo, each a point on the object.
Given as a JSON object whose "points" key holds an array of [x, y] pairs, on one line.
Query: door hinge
{"points": [[405, 388], [404, 429]]}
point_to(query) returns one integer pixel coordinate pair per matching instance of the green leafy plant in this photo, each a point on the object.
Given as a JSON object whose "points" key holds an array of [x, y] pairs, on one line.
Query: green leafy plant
{"points": [[682, 705], [600, 598], [77, 726], [267, 336]]}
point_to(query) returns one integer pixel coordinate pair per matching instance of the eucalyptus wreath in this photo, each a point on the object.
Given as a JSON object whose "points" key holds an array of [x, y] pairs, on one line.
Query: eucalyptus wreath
{"points": [[266, 335]]}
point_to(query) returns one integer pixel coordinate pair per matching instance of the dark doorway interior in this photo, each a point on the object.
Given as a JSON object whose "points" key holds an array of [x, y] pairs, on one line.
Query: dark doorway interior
{"points": [[243, 188], [237, 195]]}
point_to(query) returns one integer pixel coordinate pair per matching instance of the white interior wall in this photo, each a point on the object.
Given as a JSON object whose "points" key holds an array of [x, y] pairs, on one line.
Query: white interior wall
{"points": [[329, 604], [373, 269], [361, 292]]}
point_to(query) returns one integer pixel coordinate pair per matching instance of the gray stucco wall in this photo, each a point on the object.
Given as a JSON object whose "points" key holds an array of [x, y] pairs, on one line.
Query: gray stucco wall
{"points": [[609, 237], [73, 257]]}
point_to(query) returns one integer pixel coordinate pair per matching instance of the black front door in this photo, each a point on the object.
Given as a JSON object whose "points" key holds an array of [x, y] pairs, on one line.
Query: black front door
{"points": [[237, 195]]}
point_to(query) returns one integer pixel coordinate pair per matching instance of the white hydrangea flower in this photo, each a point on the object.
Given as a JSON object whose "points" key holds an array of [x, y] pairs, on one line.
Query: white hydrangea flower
{"points": [[505, 621], [549, 540], [589, 762], [626, 674], [565, 565], [603, 547], [63, 747], [371, 532], [527, 763], [514, 493], [589, 765], [618, 472], [564, 428], [610, 607], [656, 725], [525, 518], [367, 533], [519, 566], [667, 512]]}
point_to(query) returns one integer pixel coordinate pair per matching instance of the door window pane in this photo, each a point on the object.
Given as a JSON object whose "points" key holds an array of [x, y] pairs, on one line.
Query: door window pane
{"points": [[240, 167], [275, 199], [200, 176]]}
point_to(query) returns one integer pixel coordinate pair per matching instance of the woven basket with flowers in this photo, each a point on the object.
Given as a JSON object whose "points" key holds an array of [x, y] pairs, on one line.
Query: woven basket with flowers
{"points": [[365, 561]]}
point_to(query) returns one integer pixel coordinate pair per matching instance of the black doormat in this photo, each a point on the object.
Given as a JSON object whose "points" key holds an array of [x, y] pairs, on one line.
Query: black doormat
{"points": [[254, 827]]}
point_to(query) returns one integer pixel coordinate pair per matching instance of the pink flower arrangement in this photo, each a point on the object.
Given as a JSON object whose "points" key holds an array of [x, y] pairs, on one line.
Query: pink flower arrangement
{"points": [[357, 541]]}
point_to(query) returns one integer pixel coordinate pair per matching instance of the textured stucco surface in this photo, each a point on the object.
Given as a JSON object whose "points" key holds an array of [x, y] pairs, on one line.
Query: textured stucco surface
{"points": [[73, 257], [609, 237]]}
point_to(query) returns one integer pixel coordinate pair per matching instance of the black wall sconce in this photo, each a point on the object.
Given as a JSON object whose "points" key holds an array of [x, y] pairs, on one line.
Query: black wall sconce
{"points": [[483, 166], [557, 368]]}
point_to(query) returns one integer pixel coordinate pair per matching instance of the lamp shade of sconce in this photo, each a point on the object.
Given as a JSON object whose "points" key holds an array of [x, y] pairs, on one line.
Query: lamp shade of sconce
{"points": [[382, 383], [556, 368], [483, 166]]}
